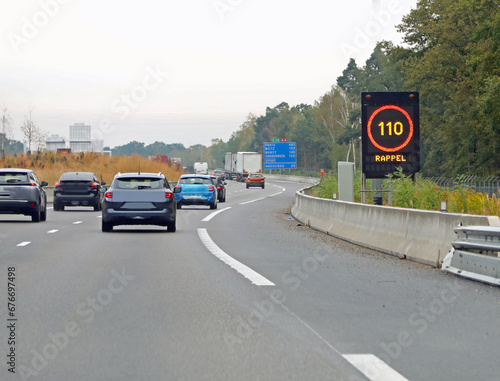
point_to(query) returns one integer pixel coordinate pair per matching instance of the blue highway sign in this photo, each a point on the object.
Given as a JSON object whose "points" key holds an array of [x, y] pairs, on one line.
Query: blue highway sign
{"points": [[280, 155]]}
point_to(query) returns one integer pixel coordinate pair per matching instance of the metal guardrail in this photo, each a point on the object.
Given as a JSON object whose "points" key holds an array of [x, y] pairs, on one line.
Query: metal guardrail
{"points": [[475, 254]]}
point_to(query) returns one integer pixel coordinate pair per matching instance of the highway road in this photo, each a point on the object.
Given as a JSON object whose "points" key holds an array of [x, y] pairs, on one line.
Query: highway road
{"points": [[240, 293]]}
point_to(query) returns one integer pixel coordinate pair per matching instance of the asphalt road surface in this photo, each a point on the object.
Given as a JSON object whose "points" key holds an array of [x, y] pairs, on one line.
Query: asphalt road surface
{"points": [[240, 293]]}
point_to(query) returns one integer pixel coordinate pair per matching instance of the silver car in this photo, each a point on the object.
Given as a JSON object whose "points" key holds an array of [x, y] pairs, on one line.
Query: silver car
{"points": [[139, 199]]}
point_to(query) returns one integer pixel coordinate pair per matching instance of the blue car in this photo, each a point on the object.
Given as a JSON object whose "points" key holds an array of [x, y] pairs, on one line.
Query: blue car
{"points": [[196, 190]]}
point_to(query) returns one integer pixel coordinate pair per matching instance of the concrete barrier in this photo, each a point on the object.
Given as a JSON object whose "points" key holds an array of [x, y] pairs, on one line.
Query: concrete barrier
{"points": [[294, 179], [418, 235]]}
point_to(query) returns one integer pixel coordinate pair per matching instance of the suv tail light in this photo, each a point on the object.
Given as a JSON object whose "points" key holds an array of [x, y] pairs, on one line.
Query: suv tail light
{"points": [[219, 188], [58, 184], [168, 194], [108, 194], [94, 185]]}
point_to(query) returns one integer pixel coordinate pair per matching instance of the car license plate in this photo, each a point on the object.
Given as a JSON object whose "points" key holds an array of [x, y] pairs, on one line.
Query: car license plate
{"points": [[192, 196]]}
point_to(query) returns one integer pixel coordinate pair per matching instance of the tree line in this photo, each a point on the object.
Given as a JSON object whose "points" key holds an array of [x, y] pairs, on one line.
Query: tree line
{"points": [[450, 54]]}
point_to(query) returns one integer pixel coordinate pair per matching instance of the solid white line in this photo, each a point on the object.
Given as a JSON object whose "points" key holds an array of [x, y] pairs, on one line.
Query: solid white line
{"points": [[77, 222], [248, 202], [212, 215], [24, 243], [52, 231], [374, 368], [244, 270]]}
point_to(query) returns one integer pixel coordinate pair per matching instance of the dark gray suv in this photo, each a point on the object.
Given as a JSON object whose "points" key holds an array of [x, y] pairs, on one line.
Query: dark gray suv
{"points": [[139, 199]]}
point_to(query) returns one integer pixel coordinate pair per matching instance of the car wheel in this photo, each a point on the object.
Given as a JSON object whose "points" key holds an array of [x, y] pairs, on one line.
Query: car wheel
{"points": [[97, 207], [247, 186], [57, 208], [179, 206], [43, 215], [106, 226], [262, 186], [213, 206], [35, 217], [171, 227]]}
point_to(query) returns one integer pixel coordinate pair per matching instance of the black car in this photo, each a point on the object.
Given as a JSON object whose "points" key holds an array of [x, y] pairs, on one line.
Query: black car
{"points": [[22, 193], [139, 199], [220, 185], [78, 189]]}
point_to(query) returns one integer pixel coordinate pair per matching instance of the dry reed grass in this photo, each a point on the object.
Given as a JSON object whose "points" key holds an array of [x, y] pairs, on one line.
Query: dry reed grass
{"points": [[50, 166]]}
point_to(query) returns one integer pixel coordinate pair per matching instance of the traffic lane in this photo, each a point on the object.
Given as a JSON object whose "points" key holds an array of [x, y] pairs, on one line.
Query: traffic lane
{"points": [[15, 229], [146, 304], [362, 301], [237, 192]]}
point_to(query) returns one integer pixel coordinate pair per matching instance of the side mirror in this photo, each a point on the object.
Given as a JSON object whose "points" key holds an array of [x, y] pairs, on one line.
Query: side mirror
{"points": [[44, 184], [103, 182], [177, 190], [225, 183], [103, 189]]}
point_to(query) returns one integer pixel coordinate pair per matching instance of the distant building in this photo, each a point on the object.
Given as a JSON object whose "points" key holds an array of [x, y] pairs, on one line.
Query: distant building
{"points": [[55, 142], [80, 139]]}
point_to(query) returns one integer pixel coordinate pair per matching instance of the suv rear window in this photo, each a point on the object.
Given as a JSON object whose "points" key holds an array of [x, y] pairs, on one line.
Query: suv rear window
{"points": [[13, 178], [139, 183]]}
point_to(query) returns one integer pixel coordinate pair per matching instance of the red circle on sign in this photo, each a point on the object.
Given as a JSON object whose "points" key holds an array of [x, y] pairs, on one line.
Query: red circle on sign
{"points": [[369, 128]]}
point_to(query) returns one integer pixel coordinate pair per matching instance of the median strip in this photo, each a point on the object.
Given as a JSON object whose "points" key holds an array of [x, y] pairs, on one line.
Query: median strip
{"points": [[244, 270]]}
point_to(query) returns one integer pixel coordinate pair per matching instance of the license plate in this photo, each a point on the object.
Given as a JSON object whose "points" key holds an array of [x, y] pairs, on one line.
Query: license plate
{"points": [[192, 196]]}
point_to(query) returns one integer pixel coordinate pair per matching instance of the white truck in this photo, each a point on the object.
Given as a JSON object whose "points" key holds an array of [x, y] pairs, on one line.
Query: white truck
{"points": [[230, 166], [246, 163], [201, 168]]}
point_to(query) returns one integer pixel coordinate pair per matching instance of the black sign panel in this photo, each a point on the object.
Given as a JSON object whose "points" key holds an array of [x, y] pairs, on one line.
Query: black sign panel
{"points": [[390, 133]]}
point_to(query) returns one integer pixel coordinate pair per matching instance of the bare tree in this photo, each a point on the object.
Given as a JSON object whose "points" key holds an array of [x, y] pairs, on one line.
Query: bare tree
{"points": [[31, 132], [6, 122]]}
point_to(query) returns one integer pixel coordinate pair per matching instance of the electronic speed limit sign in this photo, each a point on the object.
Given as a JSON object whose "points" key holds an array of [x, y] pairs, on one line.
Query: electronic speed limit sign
{"points": [[390, 133]]}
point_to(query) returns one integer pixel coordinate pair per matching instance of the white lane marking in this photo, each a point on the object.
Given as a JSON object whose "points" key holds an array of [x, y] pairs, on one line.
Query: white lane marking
{"points": [[244, 270], [23, 243], [52, 231], [374, 368], [77, 222], [212, 215], [99, 216], [248, 202]]}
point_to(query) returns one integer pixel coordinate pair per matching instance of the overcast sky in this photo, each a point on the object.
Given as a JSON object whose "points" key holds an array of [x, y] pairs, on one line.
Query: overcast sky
{"points": [[184, 71]]}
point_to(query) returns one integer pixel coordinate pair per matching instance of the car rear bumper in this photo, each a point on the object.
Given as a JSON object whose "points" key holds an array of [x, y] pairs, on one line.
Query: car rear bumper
{"points": [[255, 184], [76, 200], [199, 200], [18, 207], [132, 217]]}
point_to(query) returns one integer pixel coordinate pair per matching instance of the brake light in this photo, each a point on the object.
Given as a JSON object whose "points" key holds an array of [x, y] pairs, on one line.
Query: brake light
{"points": [[168, 194], [219, 188], [94, 185], [58, 184], [211, 188], [33, 184], [108, 194]]}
